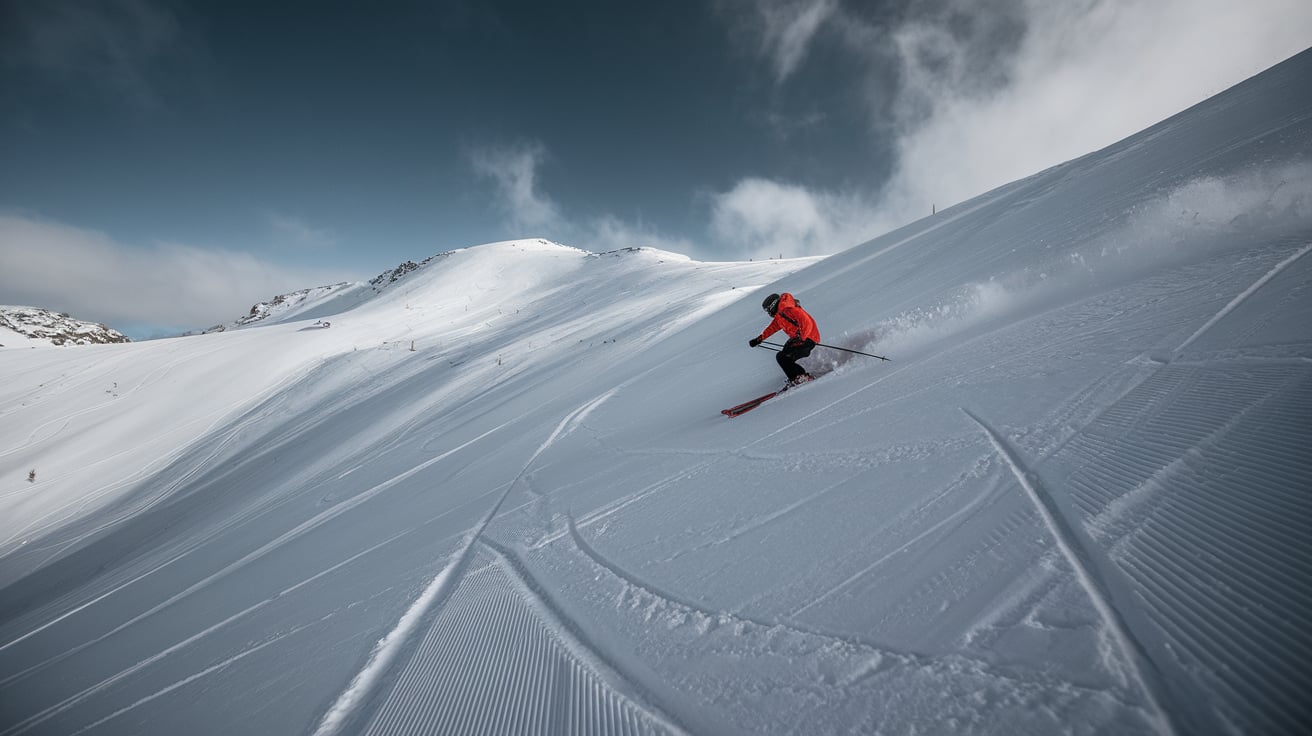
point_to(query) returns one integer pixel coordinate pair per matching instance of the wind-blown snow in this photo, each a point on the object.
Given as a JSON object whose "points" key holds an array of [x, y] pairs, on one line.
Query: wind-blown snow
{"points": [[497, 496]]}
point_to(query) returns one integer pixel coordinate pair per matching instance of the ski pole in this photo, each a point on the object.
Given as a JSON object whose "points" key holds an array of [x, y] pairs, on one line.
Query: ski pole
{"points": [[831, 347]]}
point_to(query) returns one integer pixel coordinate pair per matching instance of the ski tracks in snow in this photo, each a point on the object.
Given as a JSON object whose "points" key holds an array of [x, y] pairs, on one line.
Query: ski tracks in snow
{"points": [[1094, 575], [532, 668], [1239, 299], [55, 515], [390, 653], [783, 676], [296, 532], [1177, 708], [80, 697]]}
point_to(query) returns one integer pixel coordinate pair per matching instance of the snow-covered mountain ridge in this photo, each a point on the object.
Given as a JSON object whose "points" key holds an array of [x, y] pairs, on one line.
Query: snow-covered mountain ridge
{"points": [[497, 496], [322, 301], [319, 300], [33, 326], [284, 305]]}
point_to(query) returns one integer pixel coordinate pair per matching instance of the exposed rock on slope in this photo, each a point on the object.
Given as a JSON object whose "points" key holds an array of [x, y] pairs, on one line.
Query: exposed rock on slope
{"points": [[42, 326]]}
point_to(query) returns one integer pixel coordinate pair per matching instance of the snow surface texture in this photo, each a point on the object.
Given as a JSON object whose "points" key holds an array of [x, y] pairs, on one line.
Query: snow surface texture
{"points": [[498, 496]]}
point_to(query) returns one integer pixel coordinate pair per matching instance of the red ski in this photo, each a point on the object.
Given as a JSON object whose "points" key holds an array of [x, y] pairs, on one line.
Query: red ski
{"points": [[747, 406]]}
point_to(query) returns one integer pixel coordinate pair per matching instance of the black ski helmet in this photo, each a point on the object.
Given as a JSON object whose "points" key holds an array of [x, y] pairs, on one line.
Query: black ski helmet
{"points": [[771, 304]]}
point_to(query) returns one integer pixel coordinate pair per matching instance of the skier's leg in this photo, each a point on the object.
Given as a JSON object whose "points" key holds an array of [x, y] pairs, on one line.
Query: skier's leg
{"points": [[791, 353], [788, 364]]}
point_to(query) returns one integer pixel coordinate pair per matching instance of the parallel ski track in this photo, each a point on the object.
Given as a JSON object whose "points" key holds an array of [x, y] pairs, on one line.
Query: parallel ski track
{"points": [[1218, 549], [80, 697], [1170, 455], [218, 666], [855, 656], [501, 659], [1244, 295], [1197, 481], [941, 528], [582, 545], [295, 533], [393, 651], [1093, 575], [872, 647]]}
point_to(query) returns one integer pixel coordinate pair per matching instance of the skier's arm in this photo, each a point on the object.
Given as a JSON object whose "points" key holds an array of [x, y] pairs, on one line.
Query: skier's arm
{"points": [[770, 329]]}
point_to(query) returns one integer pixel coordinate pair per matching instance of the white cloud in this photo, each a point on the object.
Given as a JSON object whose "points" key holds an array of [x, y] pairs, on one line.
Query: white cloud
{"points": [[612, 233], [782, 31], [757, 218], [990, 91], [1080, 77], [91, 276], [760, 218], [532, 213], [789, 30], [514, 170]]}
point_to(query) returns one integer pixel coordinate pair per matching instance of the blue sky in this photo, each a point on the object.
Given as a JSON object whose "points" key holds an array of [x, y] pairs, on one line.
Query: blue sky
{"points": [[173, 162]]}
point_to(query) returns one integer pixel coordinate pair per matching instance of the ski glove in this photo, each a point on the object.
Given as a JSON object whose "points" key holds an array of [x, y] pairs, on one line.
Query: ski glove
{"points": [[754, 341]]}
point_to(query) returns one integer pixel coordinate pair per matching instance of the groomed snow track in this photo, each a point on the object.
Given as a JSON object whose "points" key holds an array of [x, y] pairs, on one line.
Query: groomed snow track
{"points": [[497, 661]]}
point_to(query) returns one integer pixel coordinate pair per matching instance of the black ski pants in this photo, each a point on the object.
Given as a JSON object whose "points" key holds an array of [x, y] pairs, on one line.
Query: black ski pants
{"points": [[793, 351]]}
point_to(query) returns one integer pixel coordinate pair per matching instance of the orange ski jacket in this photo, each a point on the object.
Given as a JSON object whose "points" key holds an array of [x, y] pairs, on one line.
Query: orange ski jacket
{"points": [[793, 320]]}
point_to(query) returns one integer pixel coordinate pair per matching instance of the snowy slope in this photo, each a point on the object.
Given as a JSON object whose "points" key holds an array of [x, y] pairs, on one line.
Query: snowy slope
{"points": [[1076, 501], [11, 338], [318, 301]]}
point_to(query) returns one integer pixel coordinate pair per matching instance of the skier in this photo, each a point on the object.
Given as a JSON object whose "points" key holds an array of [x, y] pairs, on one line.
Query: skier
{"points": [[787, 315]]}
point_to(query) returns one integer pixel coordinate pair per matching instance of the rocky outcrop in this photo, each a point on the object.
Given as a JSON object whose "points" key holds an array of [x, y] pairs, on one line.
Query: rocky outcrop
{"points": [[44, 326]]}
